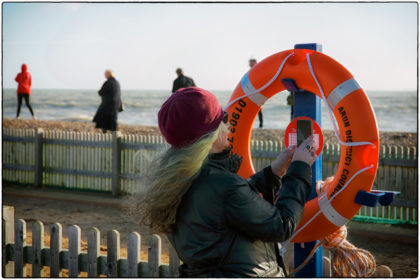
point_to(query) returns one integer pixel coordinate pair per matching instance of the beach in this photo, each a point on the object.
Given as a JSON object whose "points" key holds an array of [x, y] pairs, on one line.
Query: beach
{"points": [[406, 139]]}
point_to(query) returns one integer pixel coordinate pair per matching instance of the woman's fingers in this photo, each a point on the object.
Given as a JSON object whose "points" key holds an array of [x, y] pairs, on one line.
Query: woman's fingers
{"points": [[309, 143], [281, 163], [292, 148], [306, 151]]}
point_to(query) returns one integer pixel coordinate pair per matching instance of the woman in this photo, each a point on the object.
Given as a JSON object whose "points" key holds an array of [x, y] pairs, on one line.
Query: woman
{"points": [[106, 116], [220, 224]]}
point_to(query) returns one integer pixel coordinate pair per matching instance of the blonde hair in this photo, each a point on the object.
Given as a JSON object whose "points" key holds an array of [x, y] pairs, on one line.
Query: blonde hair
{"points": [[172, 174]]}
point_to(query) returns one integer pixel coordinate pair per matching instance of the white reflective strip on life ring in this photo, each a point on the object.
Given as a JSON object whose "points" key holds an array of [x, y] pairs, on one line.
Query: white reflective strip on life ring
{"points": [[329, 212], [341, 91], [247, 88]]}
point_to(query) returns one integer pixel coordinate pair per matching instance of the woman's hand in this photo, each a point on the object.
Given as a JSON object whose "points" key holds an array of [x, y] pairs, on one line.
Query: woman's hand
{"points": [[281, 163], [306, 151]]}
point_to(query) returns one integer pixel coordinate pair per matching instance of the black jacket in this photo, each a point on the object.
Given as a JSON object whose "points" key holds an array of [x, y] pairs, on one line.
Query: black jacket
{"points": [[182, 82], [106, 115], [225, 228]]}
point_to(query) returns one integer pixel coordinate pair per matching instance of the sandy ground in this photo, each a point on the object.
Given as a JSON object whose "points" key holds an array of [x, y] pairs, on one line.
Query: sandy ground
{"points": [[387, 138], [401, 257]]}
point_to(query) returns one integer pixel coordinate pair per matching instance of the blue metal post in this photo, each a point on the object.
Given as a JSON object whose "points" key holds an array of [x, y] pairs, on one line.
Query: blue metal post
{"points": [[308, 104]]}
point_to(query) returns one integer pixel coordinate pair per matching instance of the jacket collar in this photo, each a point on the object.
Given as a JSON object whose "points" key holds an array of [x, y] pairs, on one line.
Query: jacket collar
{"points": [[225, 160]]}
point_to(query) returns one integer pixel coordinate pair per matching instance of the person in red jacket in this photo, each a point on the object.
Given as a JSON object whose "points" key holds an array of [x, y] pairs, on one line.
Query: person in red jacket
{"points": [[24, 81]]}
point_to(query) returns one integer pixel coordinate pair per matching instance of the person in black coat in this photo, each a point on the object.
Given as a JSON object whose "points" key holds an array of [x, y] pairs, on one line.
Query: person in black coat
{"points": [[220, 224], [106, 116], [182, 81]]}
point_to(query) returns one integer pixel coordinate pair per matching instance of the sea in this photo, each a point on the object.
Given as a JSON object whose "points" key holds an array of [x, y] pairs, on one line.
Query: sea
{"points": [[394, 110]]}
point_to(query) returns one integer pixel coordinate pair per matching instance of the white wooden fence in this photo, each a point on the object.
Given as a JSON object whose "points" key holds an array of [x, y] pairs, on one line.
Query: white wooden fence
{"points": [[16, 253], [113, 163]]}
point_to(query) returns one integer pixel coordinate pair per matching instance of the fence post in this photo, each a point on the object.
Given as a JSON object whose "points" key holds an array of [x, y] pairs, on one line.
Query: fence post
{"points": [[38, 157], [55, 249], [326, 263], [37, 246], [113, 253], [8, 236], [94, 238], [174, 262], [116, 162], [154, 255], [74, 234], [20, 243], [133, 254]]}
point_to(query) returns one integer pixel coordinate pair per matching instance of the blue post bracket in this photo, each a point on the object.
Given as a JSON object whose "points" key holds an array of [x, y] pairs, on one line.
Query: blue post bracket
{"points": [[291, 86], [310, 46], [375, 198]]}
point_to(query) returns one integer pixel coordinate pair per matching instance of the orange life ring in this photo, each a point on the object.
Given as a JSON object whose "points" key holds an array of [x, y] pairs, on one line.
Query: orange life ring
{"points": [[318, 73]]}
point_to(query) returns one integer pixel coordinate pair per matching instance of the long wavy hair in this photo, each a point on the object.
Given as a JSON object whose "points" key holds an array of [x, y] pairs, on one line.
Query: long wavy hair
{"points": [[170, 176]]}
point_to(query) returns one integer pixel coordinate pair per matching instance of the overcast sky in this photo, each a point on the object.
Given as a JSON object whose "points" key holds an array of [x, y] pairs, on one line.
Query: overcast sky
{"points": [[69, 45]]}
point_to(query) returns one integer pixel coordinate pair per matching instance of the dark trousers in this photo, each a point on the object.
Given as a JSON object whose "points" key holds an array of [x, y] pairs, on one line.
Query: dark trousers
{"points": [[260, 117], [106, 121], [112, 123], [292, 111], [20, 96]]}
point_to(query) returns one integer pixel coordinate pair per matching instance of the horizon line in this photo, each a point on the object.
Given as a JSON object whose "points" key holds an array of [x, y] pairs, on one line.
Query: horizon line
{"points": [[129, 89]]}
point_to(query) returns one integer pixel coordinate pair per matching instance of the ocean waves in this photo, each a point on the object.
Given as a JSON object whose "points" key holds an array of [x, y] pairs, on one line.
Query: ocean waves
{"points": [[395, 111]]}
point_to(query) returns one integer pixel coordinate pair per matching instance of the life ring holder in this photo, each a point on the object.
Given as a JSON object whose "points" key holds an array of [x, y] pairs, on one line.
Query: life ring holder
{"points": [[348, 105]]}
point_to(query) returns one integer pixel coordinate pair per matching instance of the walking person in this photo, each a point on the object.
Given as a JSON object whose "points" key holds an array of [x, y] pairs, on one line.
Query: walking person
{"points": [[252, 62], [106, 116], [24, 80], [291, 103], [182, 81], [220, 224]]}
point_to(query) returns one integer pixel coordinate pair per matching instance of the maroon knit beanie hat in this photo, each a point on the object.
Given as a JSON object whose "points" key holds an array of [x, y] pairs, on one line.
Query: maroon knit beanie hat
{"points": [[188, 114]]}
